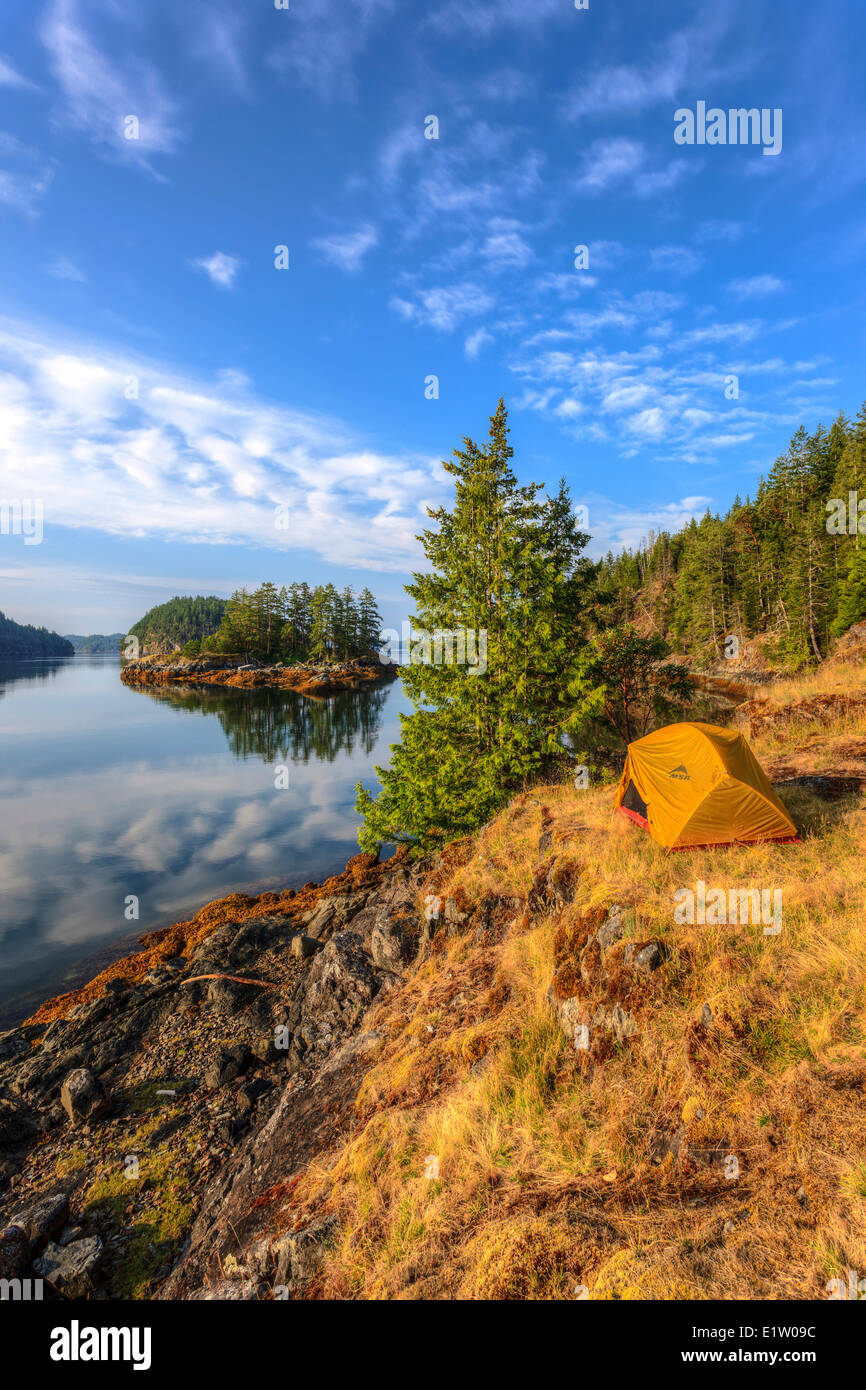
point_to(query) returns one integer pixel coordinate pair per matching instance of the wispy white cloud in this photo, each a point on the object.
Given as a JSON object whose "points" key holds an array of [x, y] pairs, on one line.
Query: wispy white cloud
{"points": [[476, 341], [741, 332], [504, 84], [11, 77], [23, 192], [720, 229], [63, 269], [325, 41], [444, 306], [667, 387], [676, 260], [215, 33], [474, 176], [671, 66], [221, 268], [25, 177], [348, 251], [619, 162], [197, 460], [623, 87], [756, 286], [505, 248], [609, 161], [401, 144], [99, 93], [484, 18], [616, 527]]}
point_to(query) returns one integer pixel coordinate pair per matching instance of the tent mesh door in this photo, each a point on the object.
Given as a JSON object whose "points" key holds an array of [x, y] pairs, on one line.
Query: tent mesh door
{"points": [[633, 801]]}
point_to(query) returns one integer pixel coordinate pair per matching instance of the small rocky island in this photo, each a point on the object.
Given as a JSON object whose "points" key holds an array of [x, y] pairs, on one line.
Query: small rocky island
{"points": [[307, 678]]}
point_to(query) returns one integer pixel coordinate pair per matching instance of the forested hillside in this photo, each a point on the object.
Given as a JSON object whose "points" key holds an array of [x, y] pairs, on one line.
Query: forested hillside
{"points": [[23, 640], [297, 623], [97, 643], [181, 619], [789, 564]]}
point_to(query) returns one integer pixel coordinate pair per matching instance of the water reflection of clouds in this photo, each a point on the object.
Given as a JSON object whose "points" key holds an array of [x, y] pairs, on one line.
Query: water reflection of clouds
{"points": [[109, 791], [88, 844]]}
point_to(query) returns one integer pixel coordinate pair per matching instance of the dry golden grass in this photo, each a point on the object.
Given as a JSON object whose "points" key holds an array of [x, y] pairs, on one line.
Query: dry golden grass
{"points": [[491, 1160], [831, 677]]}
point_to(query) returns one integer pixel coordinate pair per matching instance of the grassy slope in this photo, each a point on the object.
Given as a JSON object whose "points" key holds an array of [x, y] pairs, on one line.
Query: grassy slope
{"points": [[548, 1175]]}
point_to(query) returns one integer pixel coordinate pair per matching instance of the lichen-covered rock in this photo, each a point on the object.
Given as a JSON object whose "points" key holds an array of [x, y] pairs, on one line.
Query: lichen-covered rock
{"points": [[83, 1098], [42, 1218], [588, 991], [389, 948], [341, 985], [644, 958], [226, 1066], [70, 1270], [299, 1254], [304, 946]]}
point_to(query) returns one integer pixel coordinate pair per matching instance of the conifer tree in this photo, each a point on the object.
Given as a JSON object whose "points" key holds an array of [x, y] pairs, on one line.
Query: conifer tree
{"points": [[369, 622], [496, 632]]}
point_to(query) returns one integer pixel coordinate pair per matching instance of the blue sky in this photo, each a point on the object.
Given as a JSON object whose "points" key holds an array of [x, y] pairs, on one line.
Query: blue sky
{"points": [[151, 261]]}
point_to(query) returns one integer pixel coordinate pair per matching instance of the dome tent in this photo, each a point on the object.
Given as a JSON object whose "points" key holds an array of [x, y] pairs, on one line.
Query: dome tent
{"points": [[696, 784]]}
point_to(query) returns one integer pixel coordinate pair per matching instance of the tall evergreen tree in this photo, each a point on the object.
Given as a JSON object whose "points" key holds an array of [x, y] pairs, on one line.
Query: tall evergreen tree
{"points": [[369, 622], [496, 615]]}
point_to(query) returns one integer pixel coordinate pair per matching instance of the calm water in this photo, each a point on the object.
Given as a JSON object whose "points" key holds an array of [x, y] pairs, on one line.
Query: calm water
{"points": [[109, 791]]}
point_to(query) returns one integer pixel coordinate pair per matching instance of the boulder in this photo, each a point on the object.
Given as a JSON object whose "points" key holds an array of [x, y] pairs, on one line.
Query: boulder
{"points": [[255, 935], [621, 1024], [42, 1218], [341, 984], [334, 913], [251, 1093], [388, 946], [228, 1064], [454, 918], [646, 958], [117, 986], [230, 996], [299, 1254], [304, 946], [70, 1270], [611, 929], [82, 1097], [265, 1050]]}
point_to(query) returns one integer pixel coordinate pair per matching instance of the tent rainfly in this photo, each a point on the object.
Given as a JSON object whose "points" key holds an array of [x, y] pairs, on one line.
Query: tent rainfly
{"points": [[695, 784]]}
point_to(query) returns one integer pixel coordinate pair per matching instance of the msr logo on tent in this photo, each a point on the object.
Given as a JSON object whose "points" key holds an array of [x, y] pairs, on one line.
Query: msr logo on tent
{"points": [[681, 774]]}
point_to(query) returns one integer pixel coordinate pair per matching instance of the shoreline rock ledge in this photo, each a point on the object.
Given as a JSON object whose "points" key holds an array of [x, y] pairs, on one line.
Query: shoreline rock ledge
{"points": [[141, 1128]]}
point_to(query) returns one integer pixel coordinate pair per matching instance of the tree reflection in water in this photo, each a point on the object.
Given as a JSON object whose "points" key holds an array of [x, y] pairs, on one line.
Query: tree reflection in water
{"points": [[29, 669], [280, 724]]}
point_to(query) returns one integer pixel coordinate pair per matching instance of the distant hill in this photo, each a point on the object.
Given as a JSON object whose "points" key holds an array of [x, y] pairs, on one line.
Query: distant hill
{"points": [[22, 640], [97, 642], [176, 622]]}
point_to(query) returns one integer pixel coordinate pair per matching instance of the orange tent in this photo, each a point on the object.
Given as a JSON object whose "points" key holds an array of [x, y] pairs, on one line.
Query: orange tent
{"points": [[697, 784]]}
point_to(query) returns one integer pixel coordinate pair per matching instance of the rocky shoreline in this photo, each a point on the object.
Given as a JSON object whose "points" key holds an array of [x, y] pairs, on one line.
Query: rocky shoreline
{"points": [[319, 679], [141, 1113]]}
